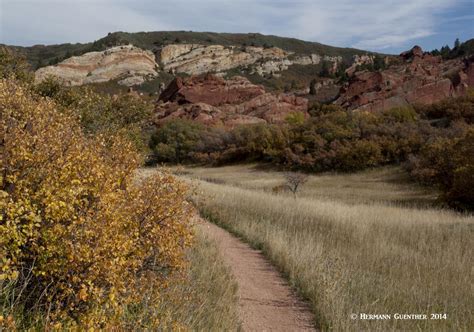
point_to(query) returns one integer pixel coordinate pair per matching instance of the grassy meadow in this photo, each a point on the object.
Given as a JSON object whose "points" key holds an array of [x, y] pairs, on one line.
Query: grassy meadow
{"points": [[369, 242]]}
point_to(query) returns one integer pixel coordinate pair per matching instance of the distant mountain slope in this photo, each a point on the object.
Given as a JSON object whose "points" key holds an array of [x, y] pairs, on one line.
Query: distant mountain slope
{"points": [[43, 55], [278, 63]]}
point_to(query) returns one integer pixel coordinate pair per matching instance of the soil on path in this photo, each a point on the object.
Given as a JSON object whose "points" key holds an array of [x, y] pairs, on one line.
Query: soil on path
{"points": [[266, 302]]}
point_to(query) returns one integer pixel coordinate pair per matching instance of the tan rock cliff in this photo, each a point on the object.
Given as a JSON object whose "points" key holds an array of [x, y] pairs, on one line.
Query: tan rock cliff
{"points": [[130, 64]]}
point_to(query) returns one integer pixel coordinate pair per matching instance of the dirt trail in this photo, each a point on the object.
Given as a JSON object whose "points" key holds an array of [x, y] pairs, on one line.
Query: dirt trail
{"points": [[266, 302]]}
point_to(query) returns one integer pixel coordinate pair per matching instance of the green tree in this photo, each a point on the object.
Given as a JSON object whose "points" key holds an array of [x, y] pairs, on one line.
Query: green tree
{"points": [[457, 44], [449, 163], [14, 65], [379, 63], [445, 50], [325, 69], [312, 87], [175, 139], [295, 118]]}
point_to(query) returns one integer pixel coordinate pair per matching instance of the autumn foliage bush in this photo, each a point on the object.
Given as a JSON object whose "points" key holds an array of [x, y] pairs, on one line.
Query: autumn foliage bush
{"points": [[99, 113], [81, 240], [449, 164], [333, 139]]}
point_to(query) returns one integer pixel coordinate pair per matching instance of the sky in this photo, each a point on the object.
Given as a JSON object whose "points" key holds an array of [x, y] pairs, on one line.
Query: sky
{"points": [[378, 25]]}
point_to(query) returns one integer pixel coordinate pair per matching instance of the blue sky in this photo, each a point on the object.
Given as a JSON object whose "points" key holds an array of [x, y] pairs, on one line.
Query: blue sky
{"points": [[379, 25]]}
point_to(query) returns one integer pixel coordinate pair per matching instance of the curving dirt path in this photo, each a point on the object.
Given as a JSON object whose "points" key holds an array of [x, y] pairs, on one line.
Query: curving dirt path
{"points": [[266, 302]]}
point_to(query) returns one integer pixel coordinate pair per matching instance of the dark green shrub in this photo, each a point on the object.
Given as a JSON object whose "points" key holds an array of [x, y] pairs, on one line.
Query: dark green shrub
{"points": [[175, 140]]}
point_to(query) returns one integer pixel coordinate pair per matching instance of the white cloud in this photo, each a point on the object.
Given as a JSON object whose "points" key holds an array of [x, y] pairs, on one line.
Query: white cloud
{"points": [[53, 21], [373, 24], [368, 24]]}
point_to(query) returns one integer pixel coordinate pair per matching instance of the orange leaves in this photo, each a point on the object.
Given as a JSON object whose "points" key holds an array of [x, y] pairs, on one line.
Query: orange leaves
{"points": [[73, 214]]}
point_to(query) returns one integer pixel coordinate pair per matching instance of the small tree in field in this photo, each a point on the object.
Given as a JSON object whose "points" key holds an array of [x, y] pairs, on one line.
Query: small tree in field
{"points": [[294, 181]]}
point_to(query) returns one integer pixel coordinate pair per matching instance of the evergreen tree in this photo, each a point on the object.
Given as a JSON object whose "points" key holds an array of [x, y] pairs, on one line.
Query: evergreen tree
{"points": [[379, 63], [457, 43], [324, 69], [445, 50], [312, 87]]}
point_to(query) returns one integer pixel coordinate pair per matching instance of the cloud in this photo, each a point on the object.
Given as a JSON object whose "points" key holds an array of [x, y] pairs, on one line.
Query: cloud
{"points": [[53, 21], [372, 24], [367, 24]]}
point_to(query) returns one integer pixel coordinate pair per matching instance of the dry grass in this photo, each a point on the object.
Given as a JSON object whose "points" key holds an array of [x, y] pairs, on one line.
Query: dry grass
{"points": [[389, 185], [350, 244], [207, 301]]}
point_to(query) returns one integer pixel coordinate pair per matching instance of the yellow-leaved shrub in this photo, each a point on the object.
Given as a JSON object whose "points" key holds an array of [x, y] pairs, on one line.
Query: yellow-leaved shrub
{"points": [[80, 239]]}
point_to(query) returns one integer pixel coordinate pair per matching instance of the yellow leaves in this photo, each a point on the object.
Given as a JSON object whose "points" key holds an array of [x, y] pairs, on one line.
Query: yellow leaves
{"points": [[57, 326], [7, 323], [82, 294], [92, 236], [112, 296], [8, 273]]}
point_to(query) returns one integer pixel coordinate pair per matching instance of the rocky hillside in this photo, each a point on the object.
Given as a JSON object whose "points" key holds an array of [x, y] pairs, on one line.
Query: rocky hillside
{"points": [[129, 64], [42, 55], [351, 78], [414, 77], [212, 100], [276, 62], [195, 59], [133, 65]]}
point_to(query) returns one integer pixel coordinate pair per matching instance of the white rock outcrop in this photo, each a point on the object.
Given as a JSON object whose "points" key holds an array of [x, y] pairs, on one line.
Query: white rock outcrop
{"points": [[195, 59], [130, 64], [359, 60]]}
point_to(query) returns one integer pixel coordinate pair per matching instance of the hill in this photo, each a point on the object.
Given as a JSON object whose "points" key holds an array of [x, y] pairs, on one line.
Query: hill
{"points": [[278, 63], [42, 55]]}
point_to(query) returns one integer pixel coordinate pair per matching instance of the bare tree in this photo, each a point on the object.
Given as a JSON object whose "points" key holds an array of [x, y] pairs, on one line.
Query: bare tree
{"points": [[294, 181]]}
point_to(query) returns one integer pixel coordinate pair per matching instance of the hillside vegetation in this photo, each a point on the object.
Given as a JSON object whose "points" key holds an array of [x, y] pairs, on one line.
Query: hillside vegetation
{"points": [[42, 55], [350, 244], [294, 77], [84, 244], [433, 142], [73, 220]]}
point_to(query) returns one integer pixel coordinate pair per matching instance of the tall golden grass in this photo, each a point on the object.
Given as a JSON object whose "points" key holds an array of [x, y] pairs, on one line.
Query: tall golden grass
{"points": [[206, 300], [351, 258]]}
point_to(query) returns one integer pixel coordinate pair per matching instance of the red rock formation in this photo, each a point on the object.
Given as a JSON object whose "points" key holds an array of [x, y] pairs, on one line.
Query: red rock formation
{"points": [[171, 89], [418, 78], [415, 52], [214, 101], [465, 78], [211, 90]]}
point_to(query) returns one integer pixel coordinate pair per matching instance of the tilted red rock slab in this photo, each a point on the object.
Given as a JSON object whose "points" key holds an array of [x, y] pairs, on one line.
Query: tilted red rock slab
{"points": [[212, 100]]}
